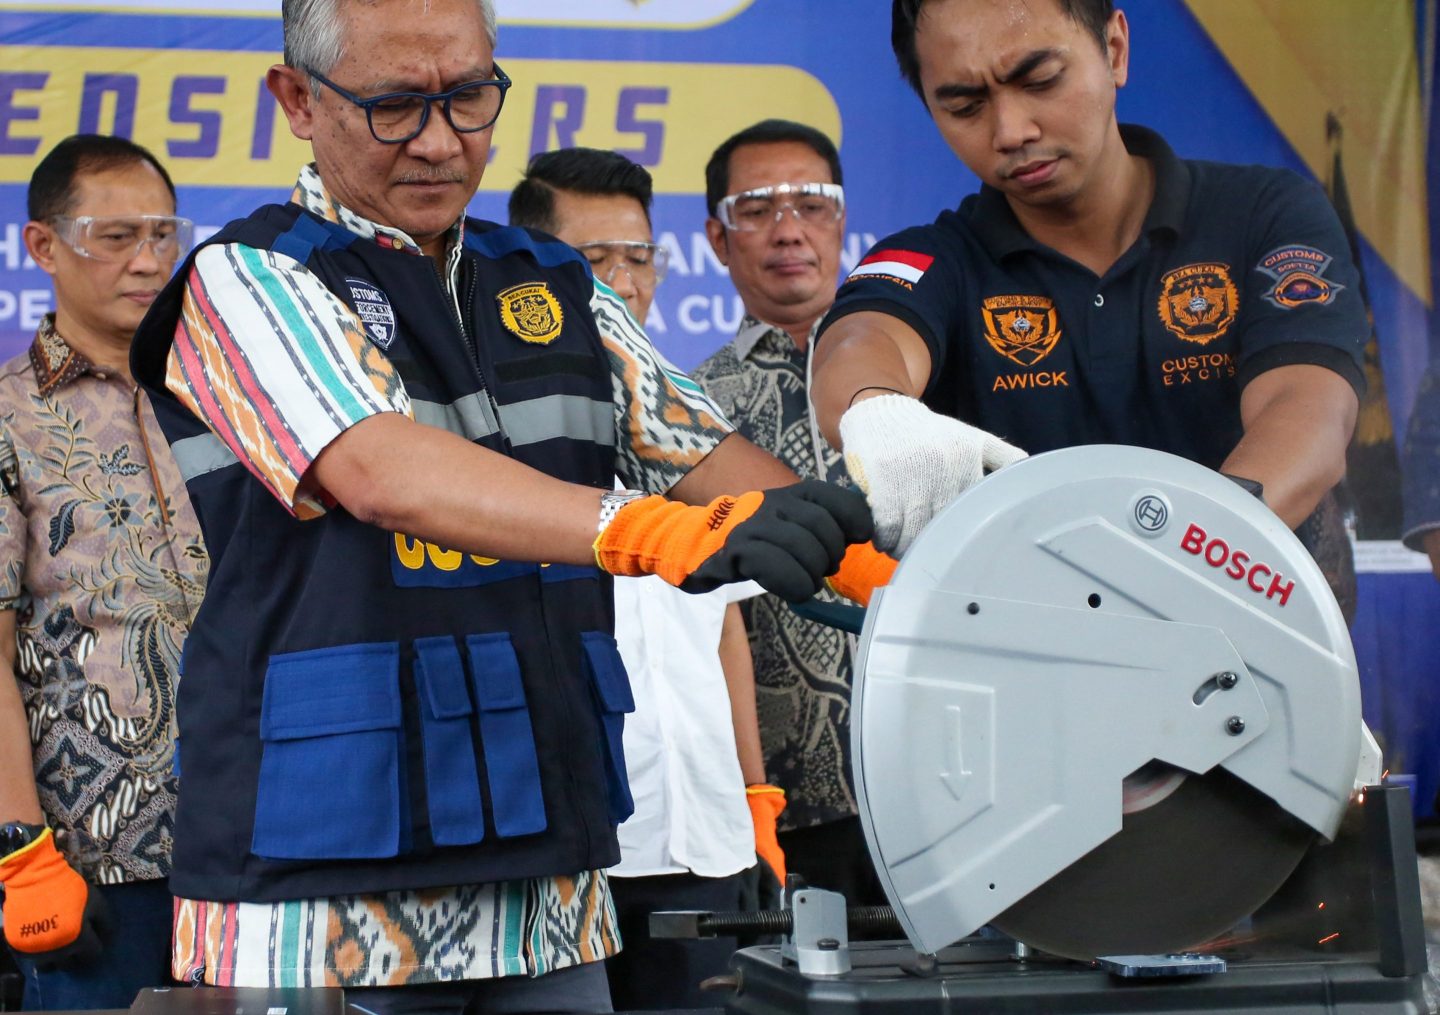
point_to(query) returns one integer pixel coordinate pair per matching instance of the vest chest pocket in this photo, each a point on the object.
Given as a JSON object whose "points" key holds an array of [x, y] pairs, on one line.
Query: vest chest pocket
{"points": [[613, 697], [331, 775]]}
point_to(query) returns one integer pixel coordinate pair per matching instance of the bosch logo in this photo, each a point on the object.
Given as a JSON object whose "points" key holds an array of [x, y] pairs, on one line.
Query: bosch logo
{"points": [[1151, 513], [1237, 564]]}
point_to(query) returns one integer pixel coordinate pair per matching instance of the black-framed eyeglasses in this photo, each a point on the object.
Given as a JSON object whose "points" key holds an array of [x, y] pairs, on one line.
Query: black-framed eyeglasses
{"points": [[396, 117]]}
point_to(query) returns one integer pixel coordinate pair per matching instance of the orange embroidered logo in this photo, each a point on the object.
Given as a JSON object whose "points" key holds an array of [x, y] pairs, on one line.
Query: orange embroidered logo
{"points": [[531, 313], [1023, 329], [1198, 302]]}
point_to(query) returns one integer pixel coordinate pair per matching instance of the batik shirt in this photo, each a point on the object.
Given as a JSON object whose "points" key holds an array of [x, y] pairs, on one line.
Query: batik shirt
{"points": [[664, 426], [802, 669], [104, 567]]}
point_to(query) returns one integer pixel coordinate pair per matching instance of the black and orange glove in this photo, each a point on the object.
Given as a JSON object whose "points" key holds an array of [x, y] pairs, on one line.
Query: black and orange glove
{"points": [[863, 570], [766, 804], [787, 539], [51, 915]]}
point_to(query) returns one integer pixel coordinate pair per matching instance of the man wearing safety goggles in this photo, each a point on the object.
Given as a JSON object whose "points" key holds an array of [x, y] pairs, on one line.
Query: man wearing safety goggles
{"points": [[777, 220], [101, 570]]}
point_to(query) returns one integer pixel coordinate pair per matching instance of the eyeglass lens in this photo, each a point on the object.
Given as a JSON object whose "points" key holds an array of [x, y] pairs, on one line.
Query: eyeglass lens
{"points": [[472, 108], [645, 263], [120, 239], [761, 209]]}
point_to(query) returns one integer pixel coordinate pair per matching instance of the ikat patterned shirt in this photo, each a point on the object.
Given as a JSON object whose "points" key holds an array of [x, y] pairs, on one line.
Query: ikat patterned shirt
{"points": [[104, 567], [802, 669], [664, 426]]}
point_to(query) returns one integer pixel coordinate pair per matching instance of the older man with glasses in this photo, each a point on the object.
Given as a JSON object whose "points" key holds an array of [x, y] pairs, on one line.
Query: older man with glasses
{"points": [[103, 569], [777, 220], [403, 707]]}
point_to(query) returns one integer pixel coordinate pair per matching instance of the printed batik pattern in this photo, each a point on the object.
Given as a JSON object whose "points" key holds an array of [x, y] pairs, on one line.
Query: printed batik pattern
{"points": [[665, 423], [803, 670], [520, 928], [104, 577]]}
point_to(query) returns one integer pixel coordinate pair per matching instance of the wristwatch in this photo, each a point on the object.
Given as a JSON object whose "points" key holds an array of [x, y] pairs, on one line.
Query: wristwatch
{"points": [[16, 835], [611, 501]]}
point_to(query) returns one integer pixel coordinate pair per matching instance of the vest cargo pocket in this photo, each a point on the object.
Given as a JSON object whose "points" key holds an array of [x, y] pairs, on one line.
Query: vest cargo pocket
{"points": [[612, 692], [330, 774], [506, 736], [452, 779]]}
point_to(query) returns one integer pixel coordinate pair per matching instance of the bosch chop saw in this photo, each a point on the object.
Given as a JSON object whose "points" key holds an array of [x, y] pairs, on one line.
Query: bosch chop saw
{"points": [[1101, 714]]}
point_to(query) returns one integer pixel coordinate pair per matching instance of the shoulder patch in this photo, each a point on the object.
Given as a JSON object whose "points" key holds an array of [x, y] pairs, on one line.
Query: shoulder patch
{"points": [[904, 267], [531, 312], [1299, 274], [1199, 302], [374, 309], [1023, 329]]}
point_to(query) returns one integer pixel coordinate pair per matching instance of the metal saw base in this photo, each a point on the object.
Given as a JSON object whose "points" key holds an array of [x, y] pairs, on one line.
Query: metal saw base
{"points": [[980, 976], [1368, 875]]}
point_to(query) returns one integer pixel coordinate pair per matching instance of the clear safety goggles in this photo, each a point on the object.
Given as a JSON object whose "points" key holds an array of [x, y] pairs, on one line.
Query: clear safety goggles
{"points": [[812, 204], [121, 237], [645, 263]]}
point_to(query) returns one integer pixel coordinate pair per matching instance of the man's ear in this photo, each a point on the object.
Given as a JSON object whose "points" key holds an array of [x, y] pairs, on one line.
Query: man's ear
{"points": [[291, 89], [40, 241], [1117, 48], [719, 242]]}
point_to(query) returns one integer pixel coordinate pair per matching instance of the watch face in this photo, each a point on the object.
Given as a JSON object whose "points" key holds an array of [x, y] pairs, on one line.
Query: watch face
{"points": [[16, 835]]}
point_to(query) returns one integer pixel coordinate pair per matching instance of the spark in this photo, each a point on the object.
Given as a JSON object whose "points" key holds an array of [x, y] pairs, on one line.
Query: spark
{"points": [[1328, 937]]}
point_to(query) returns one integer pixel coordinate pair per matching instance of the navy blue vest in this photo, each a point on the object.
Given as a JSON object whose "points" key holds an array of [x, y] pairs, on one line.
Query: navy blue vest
{"points": [[361, 711]]}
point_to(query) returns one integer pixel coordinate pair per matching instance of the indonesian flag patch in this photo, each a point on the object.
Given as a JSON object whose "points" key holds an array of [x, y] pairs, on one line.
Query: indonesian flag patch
{"points": [[897, 265]]}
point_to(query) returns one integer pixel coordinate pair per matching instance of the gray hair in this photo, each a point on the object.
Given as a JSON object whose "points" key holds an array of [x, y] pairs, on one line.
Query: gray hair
{"points": [[313, 35]]}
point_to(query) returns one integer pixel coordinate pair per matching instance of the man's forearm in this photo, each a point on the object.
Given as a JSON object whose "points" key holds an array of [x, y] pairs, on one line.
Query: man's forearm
{"points": [[739, 669], [18, 799], [433, 485], [864, 355], [1298, 422]]}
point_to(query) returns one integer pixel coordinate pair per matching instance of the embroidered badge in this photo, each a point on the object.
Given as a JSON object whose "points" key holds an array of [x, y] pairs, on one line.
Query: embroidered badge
{"points": [[1023, 329], [531, 312], [1198, 302], [1299, 274], [374, 309]]}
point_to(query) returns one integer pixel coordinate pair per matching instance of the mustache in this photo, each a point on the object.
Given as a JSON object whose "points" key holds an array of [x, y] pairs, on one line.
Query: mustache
{"points": [[435, 175]]}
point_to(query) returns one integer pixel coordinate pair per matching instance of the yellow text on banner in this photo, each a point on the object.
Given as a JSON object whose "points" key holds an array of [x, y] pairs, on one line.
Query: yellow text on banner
{"points": [[208, 116]]}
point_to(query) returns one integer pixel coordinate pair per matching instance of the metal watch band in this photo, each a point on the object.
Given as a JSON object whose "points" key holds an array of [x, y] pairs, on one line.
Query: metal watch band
{"points": [[611, 501]]}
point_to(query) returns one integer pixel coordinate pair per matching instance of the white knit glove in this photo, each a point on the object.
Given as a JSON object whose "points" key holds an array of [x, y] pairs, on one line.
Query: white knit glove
{"points": [[912, 462]]}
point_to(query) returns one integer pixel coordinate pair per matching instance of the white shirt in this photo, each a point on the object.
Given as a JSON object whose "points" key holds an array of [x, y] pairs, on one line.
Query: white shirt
{"points": [[690, 809]]}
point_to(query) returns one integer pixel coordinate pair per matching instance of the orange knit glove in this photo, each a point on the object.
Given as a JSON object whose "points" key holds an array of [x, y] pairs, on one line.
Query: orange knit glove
{"points": [[863, 570], [787, 539], [50, 912], [766, 803]]}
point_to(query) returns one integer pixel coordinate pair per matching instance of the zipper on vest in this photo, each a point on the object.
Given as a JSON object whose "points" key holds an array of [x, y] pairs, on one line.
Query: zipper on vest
{"points": [[452, 301]]}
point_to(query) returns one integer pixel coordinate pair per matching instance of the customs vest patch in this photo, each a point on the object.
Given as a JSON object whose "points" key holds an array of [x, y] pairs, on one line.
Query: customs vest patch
{"points": [[531, 312], [374, 309], [1299, 274], [1023, 329], [1198, 302]]}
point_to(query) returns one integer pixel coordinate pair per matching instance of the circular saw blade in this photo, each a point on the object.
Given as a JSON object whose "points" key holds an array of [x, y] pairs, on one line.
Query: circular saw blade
{"points": [[1055, 647], [1179, 873]]}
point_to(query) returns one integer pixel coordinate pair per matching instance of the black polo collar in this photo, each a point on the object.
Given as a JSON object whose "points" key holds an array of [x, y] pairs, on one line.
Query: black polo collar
{"points": [[1001, 233]]}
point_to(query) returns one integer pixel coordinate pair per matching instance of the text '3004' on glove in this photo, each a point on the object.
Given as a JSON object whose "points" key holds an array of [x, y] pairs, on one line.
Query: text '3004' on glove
{"points": [[912, 462], [787, 539], [51, 915]]}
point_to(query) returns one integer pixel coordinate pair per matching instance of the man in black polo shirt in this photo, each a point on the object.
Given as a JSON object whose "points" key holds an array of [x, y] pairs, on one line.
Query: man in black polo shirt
{"points": [[1096, 290]]}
